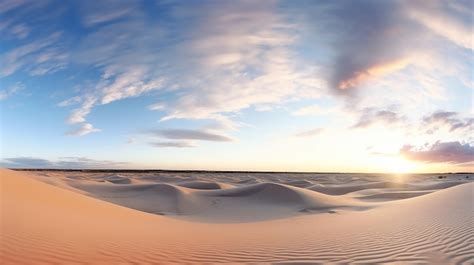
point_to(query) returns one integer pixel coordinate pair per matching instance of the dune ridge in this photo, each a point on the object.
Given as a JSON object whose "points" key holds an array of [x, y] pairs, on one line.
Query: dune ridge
{"points": [[226, 203]]}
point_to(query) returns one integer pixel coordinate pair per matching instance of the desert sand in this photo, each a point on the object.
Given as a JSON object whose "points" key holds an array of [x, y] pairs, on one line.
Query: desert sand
{"points": [[159, 218]]}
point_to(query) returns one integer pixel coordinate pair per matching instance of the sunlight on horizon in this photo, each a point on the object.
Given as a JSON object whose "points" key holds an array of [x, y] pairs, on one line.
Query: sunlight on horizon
{"points": [[396, 165]]}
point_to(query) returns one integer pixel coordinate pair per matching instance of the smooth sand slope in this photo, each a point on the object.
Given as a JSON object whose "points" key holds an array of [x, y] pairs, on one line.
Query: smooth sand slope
{"points": [[124, 219]]}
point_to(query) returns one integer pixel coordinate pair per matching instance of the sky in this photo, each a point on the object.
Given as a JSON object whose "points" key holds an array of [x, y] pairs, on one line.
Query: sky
{"points": [[329, 86]]}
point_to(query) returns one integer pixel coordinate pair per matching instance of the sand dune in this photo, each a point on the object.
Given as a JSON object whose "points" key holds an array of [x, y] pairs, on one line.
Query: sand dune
{"points": [[204, 185], [225, 203], [118, 179], [44, 224], [393, 195], [340, 190]]}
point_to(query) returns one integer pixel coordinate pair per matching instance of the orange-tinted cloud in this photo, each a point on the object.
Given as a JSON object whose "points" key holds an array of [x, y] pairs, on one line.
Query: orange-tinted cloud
{"points": [[374, 71]]}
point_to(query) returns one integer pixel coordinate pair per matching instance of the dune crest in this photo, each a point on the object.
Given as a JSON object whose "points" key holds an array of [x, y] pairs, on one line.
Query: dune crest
{"points": [[226, 203]]}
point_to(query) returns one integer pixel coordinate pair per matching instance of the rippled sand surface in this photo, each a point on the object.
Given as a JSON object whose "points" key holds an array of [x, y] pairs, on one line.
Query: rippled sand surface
{"points": [[155, 218]]}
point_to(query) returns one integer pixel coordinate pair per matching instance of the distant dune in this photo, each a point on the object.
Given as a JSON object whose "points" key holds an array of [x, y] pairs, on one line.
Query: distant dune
{"points": [[150, 218]]}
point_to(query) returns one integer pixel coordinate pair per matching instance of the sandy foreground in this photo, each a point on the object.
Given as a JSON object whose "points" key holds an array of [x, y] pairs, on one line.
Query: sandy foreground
{"points": [[108, 218]]}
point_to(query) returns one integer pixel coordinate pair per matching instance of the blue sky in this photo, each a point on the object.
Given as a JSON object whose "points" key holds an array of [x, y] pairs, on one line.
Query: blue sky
{"points": [[345, 86]]}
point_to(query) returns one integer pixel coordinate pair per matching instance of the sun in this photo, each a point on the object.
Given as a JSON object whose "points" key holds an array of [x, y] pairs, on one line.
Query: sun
{"points": [[395, 164]]}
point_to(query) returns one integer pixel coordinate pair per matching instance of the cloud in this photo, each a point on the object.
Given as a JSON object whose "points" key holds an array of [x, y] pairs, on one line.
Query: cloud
{"points": [[449, 120], [84, 129], [7, 5], [78, 115], [210, 60], [178, 144], [70, 101], [452, 21], [11, 90], [217, 60], [20, 31], [26, 162], [38, 57], [105, 11], [129, 84], [370, 117], [309, 133], [185, 134], [63, 162], [441, 152], [369, 39]]}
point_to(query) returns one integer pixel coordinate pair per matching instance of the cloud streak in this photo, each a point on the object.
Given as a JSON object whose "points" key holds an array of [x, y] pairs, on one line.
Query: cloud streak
{"points": [[64, 162], [11, 90], [186, 134], [176, 144], [38, 57]]}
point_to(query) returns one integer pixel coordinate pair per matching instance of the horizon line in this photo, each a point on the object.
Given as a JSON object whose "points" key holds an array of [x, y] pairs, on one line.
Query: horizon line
{"points": [[97, 170]]}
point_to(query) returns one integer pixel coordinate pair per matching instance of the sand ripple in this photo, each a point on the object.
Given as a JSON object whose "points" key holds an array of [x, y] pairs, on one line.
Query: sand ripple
{"points": [[44, 224]]}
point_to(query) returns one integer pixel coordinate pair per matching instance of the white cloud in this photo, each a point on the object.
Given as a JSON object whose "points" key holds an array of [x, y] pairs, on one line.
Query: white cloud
{"points": [[38, 57], [11, 90], [217, 59], [235, 56], [78, 115], [445, 20], [84, 129], [128, 84]]}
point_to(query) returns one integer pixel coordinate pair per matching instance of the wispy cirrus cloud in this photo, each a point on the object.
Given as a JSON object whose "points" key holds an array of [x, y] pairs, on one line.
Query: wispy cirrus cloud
{"points": [[39, 57], [8, 5], [11, 90], [19, 31], [450, 20], [95, 13]]}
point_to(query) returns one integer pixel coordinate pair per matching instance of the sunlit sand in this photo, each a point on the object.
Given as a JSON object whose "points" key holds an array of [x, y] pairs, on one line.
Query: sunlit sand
{"points": [[148, 218]]}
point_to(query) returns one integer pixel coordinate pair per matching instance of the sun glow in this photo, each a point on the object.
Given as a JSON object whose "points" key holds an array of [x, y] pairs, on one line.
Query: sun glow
{"points": [[395, 165]]}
